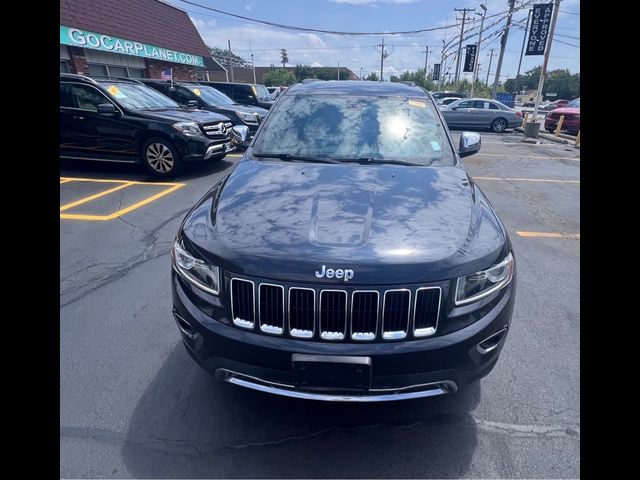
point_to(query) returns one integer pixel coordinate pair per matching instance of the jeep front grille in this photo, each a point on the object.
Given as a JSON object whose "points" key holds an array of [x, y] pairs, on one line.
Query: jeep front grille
{"points": [[335, 314]]}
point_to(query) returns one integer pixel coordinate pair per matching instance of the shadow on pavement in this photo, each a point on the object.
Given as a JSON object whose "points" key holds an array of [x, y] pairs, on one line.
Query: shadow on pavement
{"points": [[187, 424], [137, 173]]}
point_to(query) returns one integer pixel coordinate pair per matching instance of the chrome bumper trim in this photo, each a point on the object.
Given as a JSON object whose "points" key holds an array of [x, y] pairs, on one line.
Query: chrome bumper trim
{"points": [[378, 395]]}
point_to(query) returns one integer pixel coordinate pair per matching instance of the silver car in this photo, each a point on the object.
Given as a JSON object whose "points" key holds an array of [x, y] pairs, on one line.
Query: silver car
{"points": [[481, 113]]}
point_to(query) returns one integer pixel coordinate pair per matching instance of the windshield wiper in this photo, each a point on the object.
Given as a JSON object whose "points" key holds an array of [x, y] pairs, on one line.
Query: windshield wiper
{"points": [[293, 158], [370, 160]]}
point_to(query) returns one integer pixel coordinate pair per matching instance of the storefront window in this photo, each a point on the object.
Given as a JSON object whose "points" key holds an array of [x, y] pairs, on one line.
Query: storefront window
{"points": [[64, 66], [97, 70]]}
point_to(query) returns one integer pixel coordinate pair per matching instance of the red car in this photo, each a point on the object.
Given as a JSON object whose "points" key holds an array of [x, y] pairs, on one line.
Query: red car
{"points": [[560, 103], [571, 123]]}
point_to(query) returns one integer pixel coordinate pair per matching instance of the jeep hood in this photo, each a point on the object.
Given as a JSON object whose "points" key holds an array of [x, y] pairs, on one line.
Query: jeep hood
{"points": [[389, 224]]}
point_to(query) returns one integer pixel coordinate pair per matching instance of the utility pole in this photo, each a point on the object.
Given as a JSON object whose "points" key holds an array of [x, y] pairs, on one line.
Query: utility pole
{"points": [[283, 57], [524, 41], [338, 70], [360, 73], [554, 17], [441, 79], [489, 69], [475, 66], [382, 59], [503, 46], [230, 61], [253, 66], [464, 16], [426, 56]]}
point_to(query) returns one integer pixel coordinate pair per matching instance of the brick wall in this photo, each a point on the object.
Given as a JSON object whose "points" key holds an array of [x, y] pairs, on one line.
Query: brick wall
{"points": [[78, 63], [180, 72]]}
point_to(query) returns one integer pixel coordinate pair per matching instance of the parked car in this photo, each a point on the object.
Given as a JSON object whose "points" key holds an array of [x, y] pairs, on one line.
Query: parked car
{"points": [[571, 122], [560, 103], [481, 113], [194, 95], [348, 256], [122, 120], [447, 100], [244, 93], [439, 95]]}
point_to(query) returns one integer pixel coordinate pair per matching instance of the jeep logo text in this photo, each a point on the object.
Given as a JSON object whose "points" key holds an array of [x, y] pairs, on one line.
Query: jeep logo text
{"points": [[339, 273]]}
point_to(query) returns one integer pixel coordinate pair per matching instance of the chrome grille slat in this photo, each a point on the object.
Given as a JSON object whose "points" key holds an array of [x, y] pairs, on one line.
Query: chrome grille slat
{"points": [[395, 313], [302, 311], [364, 314], [271, 308], [243, 303], [426, 311], [333, 315]]}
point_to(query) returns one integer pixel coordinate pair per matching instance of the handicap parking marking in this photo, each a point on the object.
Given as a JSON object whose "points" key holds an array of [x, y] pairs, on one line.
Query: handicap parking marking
{"points": [[122, 184]]}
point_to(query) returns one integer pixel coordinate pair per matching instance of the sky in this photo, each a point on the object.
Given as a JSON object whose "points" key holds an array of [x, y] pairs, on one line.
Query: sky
{"points": [[405, 51]]}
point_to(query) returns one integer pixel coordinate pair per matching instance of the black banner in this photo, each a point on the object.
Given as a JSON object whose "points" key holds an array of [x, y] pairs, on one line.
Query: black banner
{"points": [[539, 31], [470, 58], [436, 71]]}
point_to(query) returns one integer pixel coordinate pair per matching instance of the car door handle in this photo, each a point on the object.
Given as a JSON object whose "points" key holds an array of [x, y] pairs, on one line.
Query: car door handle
{"points": [[76, 117]]}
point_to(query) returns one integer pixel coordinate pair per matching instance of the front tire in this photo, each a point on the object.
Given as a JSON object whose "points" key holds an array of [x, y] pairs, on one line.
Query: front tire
{"points": [[499, 125], [160, 157]]}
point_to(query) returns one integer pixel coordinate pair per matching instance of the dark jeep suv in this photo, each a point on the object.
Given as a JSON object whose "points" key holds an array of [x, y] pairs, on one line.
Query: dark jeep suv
{"points": [[348, 256], [244, 93], [189, 94], [121, 120]]}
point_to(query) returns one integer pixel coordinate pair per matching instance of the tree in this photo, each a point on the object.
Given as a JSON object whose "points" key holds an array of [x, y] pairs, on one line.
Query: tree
{"points": [[279, 76], [559, 81], [373, 76], [303, 71], [223, 57]]}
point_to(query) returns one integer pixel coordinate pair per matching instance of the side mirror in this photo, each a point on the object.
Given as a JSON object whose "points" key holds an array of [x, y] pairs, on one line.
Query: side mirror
{"points": [[106, 109], [240, 134], [192, 103], [453, 108], [469, 143]]}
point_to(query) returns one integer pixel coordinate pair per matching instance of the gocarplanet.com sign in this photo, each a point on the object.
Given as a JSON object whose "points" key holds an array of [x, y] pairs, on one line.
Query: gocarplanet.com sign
{"points": [[98, 41]]}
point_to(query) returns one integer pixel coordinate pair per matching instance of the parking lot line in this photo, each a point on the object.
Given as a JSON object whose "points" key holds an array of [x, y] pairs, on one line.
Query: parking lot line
{"points": [[515, 155], [548, 234], [93, 197], [123, 184], [543, 180]]}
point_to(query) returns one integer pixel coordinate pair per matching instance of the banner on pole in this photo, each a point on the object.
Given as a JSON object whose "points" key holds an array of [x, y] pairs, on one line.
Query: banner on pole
{"points": [[470, 58], [539, 30], [436, 71]]}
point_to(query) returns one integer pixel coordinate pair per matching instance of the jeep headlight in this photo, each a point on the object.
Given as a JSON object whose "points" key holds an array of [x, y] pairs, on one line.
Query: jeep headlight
{"points": [[196, 271], [480, 284], [187, 128]]}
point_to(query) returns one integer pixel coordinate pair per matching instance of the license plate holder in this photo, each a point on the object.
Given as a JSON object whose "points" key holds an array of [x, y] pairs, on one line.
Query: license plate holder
{"points": [[331, 371]]}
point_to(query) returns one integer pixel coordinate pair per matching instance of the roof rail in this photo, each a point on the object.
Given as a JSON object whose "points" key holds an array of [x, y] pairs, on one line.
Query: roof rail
{"points": [[78, 77]]}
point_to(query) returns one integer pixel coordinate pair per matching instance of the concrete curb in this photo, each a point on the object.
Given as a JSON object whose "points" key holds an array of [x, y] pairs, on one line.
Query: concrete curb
{"points": [[547, 136]]}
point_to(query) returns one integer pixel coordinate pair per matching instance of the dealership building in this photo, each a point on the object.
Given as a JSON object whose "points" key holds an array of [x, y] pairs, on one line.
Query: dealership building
{"points": [[135, 39]]}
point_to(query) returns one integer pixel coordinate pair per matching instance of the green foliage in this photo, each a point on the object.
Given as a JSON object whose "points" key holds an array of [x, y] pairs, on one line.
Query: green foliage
{"points": [[559, 81], [223, 57], [279, 76], [372, 76], [303, 71]]}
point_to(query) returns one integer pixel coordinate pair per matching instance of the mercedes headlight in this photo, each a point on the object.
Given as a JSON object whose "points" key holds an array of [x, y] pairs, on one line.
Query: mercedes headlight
{"points": [[480, 284], [187, 128], [196, 271], [248, 117]]}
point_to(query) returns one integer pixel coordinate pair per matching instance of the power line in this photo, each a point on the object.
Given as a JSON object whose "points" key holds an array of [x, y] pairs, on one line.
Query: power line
{"points": [[570, 13], [565, 43], [567, 36], [305, 29]]}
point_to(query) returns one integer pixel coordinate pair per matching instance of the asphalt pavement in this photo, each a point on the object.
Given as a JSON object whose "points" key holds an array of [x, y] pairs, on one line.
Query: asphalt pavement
{"points": [[134, 404]]}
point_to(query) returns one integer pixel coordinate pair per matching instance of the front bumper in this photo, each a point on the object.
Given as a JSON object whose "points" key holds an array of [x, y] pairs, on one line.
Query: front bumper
{"points": [[399, 370], [200, 148]]}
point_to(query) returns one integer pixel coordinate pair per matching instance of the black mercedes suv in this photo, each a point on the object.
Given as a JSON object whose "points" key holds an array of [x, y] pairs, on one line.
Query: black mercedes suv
{"points": [[348, 256], [122, 120], [244, 93], [189, 94]]}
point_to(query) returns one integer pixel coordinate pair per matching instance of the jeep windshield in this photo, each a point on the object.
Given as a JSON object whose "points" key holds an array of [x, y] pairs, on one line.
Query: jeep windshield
{"points": [[358, 129], [138, 97]]}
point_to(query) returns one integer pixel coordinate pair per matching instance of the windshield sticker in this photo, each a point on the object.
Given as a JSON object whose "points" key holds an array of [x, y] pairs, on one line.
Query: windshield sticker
{"points": [[197, 91], [115, 91], [415, 103], [436, 146]]}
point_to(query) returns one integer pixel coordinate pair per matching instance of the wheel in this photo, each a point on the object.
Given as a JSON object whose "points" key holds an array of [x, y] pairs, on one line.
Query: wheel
{"points": [[499, 125], [160, 157]]}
